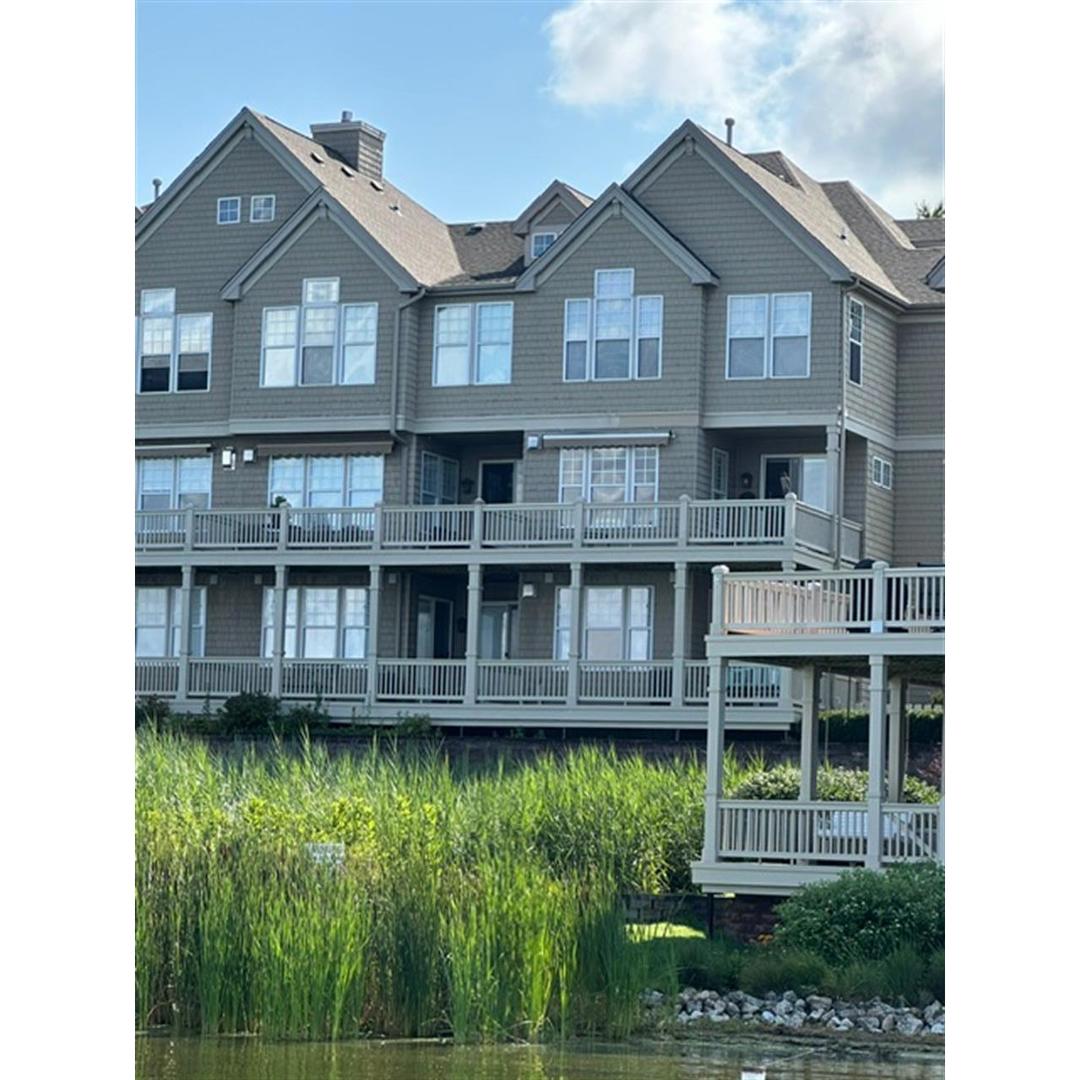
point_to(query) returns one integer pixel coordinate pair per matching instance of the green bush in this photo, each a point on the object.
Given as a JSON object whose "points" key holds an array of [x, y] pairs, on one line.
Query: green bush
{"points": [[708, 965], [151, 710], [778, 969], [935, 974], [853, 726], [249, 714], [835, 784], [866, 915]]}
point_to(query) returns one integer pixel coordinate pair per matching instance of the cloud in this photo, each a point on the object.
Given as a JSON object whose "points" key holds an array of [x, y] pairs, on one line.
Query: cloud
{"points": [[848, 90]]}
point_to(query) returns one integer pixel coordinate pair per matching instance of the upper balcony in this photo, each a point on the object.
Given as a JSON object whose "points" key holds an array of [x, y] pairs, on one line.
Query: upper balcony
{"points": [[749, 531]]}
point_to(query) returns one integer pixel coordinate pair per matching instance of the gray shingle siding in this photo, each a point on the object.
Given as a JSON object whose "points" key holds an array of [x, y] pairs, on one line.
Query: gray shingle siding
{"points": [[920, 406], [874, 401], [920, 502]]}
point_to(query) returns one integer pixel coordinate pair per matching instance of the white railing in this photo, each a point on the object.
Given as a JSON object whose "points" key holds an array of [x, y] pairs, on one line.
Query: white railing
{"points": [[749, 685], [522, 681], [834, 602], [787, 831], [421, 680], [851, 540], [155, 676], [784, 523], [328, 679], [224, 677], [626, 682]]}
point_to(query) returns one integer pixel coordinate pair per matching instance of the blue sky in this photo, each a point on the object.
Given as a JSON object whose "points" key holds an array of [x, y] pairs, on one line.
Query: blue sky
{"points": [[484, 103]]}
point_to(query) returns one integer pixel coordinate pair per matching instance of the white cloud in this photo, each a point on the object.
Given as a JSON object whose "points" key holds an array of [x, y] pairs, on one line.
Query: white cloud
{"points": [[848, 90]]}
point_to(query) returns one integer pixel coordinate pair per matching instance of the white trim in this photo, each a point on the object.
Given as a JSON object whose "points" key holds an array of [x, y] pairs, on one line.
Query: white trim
{"points": [[299, 610], [443, 463], [346, 477], [764, 336], [339, 367], [637, 338], [630, 481], [772, 333], [175, 460], [853, 302], [720, 457], [886, 472], [533, 237], [472, 344], [768, 359], [173, 621], [239, 200], [174, 355], [252, 219]]}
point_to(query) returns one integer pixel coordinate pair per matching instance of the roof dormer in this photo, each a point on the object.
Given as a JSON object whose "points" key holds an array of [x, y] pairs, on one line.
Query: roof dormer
{"points": [[543, 220]]}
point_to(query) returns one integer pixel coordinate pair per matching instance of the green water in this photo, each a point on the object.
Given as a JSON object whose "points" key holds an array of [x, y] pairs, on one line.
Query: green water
{"points": [[165, 1058]]}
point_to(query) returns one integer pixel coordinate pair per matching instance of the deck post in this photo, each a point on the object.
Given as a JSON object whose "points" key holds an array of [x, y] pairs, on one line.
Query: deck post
{"points": [[875, 783], [189, 527], [472, 630], [377, 527], [808, 753], [281, 581], [678, 646], [578, 524], [283, 527], [187, 578], [477, 538], [877, 598], [897, 738], [684, 520], [573, 675], [714, 749], [374, 598]]}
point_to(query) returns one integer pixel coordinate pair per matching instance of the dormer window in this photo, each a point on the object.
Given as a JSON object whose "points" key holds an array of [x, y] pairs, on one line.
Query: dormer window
{"points": [[541, 241]]}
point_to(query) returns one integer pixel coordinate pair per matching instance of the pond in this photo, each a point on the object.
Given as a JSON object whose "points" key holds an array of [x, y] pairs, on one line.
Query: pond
{"points": [[168, 1058]]}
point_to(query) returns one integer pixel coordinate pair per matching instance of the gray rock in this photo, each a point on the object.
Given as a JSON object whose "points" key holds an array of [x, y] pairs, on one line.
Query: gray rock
{"points": [[720, 1018], [817, 1001], [908, 1024], [870, 1023], [838, 1024], [790, 995], [768, 1016], [683, 1018], [938, 1028], [828, 1015], [888, 1023], [794, 1020], [732, 1009], [749, 1009], [696, 1014], [848, 1013], [784, 1008], [932, 1012], [749, 999]]}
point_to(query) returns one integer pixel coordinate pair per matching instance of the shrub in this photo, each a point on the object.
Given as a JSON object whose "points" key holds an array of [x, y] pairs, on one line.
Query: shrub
{"points": [[834, 785], [151, 710], [249, 714], [853, 726], [866, 915], [414, 725], [708, 965], [935, 974], [770, 968]]}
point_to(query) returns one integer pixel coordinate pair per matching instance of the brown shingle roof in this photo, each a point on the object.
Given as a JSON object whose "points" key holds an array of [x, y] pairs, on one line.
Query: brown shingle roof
{"points": [[924, 232], [490, 253]]}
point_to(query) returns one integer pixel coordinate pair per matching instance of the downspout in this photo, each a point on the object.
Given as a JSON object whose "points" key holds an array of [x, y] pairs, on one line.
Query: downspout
{"points": [[841, 457], [395, 378]]}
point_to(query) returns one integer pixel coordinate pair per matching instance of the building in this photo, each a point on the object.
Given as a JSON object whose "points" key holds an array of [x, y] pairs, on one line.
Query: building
{"points": [[482, 471]]}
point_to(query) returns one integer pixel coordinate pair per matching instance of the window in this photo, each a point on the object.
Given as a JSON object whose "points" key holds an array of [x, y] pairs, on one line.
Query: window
{"points": [[321, 342], [719, 474], [807, 476], [768, 336], [855, 341], [609, 474], [438, 480], [541, 241], [174, 483], [881, 473], [262, 208], [617, 623], [157, 622], [320, 623], [228, 210], [356, 480], [472, 344], [614, 335], [174, 350]]}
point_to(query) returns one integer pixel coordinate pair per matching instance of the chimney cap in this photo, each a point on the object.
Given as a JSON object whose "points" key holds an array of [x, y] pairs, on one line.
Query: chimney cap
{"points": [[346, 116]]}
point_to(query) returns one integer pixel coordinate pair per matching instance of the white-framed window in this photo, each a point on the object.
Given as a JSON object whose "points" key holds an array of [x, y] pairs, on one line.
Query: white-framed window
{"points": [[173, 350], [321, 623], [719, 485], [617, 622], [856, 315], [438, 479], [321, 342], [228, 210], [262, 208], [174, 483], [473, 344], [541, 241], [768, 336], [157, 621], [609, 474], [355, 480], [881, 470], [614, 334]]}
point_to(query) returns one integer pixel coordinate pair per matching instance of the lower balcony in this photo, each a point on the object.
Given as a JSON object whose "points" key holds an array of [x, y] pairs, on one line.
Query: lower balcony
{"points": [[657, 693]]}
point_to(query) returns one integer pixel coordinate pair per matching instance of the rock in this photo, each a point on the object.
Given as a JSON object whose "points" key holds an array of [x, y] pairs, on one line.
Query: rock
{"points": [[909, 1025], [838, 1024], [800, 1003], [790, 995], [816, 1001], [749, 999], [794, 1020], [784, 1008], [938, 1028], [768, 1016], [932, 1012], [683, 1018], [720, 1018], [750, 1008], [828, 1015], [888, 1023], [849, 1013], [732, 1009], [870, 1023], [815, 1015], [696, 1014]]}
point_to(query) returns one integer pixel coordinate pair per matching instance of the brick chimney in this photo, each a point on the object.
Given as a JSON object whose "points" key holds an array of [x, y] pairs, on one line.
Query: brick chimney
{"points": [[356, 143]]}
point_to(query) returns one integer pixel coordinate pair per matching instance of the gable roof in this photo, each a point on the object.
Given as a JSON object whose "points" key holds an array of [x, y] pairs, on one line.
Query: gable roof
{"points": [[924, 232], [615, 200], [571, 198]]}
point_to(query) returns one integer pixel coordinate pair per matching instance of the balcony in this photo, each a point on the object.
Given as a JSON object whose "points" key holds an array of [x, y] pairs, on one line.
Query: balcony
{"points": [[759, 529]]}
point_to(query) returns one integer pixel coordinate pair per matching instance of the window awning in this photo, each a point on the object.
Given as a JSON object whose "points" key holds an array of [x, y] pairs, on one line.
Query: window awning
{"points": [[293, 449], [606, 438], [171, 449]]}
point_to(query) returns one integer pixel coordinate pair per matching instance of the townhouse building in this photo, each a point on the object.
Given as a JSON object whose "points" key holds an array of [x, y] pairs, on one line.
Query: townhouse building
{"points": [[482, 471]]}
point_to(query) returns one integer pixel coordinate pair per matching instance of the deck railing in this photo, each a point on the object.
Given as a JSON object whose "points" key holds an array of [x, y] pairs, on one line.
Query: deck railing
{"points": [[156, 677], [827, 832], [328, 679], [420, 680], [834, 602], [784, 524], [226, 676], [522, 681]]}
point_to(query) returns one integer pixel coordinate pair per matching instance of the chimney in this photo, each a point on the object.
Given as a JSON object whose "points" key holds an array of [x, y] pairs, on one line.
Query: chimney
{"points": [[357, 144], [729, 123]]}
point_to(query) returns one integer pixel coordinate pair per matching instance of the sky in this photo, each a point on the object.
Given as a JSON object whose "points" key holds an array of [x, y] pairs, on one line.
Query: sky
{"points": [[485, 103]]}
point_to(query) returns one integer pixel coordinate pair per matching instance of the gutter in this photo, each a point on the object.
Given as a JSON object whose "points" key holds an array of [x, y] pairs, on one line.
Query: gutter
{"points": [[841, 460], [395, 374]]}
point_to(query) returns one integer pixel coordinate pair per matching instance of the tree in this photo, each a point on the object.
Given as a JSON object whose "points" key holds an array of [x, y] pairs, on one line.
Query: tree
{"points": [[924, 210]]}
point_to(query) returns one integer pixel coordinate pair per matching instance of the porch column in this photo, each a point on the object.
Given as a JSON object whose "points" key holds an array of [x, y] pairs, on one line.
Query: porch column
{"points": [[791, 509], [281, 581], [678, 638], [876, 781], [574, 652], [832, 482], [808, 753], [897, 738], [472, 631], [714, 747], [187, 578], [374, 596]]}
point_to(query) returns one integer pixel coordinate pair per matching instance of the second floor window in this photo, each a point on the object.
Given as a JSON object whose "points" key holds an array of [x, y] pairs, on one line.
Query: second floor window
{"points": [[174, 483], [613, 335], [356, 480], [473, 344], [768, 336], [613, 474], [855, 340], [321, 342], [320, 623], [881, 472], [174, 350]]}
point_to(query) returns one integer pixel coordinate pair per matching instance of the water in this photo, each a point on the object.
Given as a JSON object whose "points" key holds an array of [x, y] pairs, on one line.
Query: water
{"points": [[167, 1058]]}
